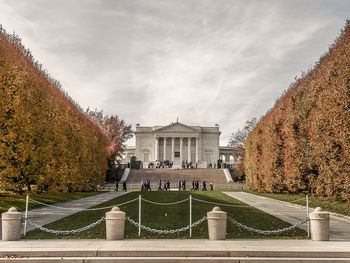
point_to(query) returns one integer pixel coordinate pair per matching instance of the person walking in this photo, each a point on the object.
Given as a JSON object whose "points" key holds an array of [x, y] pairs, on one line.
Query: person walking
{"points": [[160, 185], [124, 186], [204, 186], [168, 185]]}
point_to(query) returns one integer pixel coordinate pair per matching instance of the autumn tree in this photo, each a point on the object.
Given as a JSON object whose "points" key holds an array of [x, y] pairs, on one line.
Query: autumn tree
{"points": [[118, 132], [302, 143], [47, 143]]}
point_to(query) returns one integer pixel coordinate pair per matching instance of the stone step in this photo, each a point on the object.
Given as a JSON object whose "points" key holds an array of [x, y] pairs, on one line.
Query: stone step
{"points": [[174, 250], [172, 259]]}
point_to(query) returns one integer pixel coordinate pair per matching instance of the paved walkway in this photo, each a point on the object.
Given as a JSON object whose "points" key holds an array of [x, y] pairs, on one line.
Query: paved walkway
{"points": [[175, 248], [45, 215], [291, 213]]}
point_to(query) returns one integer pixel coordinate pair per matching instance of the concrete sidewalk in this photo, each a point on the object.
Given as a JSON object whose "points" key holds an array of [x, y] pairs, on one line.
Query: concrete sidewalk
{"points": [[175, 248], [292, 213], [45, 215]]}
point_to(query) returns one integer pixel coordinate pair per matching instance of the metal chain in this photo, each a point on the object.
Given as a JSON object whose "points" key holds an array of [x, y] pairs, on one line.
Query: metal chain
{"points": [[209, 202], [83, 209], [66, 232], [299, 223], [172, 231], [173, 203]]}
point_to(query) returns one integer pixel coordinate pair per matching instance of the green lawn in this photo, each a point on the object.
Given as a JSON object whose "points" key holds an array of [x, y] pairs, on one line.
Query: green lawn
{"points": [[338, 207], [19, 201], [171, 217]]}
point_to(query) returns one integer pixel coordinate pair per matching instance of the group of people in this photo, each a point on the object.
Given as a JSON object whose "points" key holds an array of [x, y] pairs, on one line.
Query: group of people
{"points": [[161, 164], [117, 186], [212, 165], [146, 185], [166, 186], [195, 186], [189, 165], [182, 185]]}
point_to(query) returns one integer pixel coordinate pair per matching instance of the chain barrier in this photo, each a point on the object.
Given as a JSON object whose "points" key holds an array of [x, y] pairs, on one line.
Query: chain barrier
{"points": [[83, 209], [65, 232], [173, 203], [172, 231], [209, 202], [268, 232]]}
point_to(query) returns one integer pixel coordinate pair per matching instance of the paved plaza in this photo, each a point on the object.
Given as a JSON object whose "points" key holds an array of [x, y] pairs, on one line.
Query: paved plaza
{"points": [[291, 213]]}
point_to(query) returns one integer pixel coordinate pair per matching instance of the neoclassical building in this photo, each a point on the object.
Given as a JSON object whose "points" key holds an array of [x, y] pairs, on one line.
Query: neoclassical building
{"points": [[177, 142]]}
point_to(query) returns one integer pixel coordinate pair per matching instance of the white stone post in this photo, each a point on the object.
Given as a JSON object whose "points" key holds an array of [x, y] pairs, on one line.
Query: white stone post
{"points": [[115, 224], [189, 149], [181, 151], [164, 142], [172, 148], [156, 149], [217, 221], [197, 150], [11, 225], [319, 221]]}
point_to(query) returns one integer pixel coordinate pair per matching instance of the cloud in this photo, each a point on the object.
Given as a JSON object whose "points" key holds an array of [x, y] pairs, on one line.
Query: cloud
{"points": [[151, 61]]}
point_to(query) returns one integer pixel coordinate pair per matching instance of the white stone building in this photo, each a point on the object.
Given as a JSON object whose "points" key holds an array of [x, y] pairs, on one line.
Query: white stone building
{"points": [[176, 142]]}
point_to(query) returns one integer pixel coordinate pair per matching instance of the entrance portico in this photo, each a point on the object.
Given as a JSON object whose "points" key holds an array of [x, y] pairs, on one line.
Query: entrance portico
{"points": [[177, 142], [177, 149]]}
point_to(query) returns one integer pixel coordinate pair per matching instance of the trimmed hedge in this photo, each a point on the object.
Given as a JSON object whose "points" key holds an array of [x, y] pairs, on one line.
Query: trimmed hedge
{"points": [[303, 142], [46, 142]]}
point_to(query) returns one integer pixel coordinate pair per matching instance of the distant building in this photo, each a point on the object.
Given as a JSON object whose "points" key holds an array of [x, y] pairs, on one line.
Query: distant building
{"points": [[178, 142]]}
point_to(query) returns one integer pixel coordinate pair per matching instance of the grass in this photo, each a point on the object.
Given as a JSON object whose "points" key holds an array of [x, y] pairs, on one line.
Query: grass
{"points": [[338, 207], [19, 201], [171, 217]]}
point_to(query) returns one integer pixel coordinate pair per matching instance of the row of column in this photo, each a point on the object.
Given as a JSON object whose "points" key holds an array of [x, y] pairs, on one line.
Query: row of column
{"points": [[173, 149]]}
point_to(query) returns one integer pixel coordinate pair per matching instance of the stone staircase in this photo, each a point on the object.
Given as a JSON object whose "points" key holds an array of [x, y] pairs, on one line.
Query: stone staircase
{"points": [[217, 176], [172, 250]]}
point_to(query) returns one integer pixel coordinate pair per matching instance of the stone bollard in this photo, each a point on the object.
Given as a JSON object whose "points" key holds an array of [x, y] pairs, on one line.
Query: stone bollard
{"points": [[115, 223], [319, 222], [11, 225], [217, 221]]}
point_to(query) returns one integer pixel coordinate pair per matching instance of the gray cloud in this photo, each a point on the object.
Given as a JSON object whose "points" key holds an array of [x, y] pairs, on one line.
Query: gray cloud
{"points": [[203, 61]]}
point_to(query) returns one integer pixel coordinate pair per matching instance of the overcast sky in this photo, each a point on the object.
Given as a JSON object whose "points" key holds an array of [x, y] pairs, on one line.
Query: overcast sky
{"points": [[205, 62]]}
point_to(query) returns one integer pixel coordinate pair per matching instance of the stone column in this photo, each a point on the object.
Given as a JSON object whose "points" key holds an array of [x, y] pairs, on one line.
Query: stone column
{"points": [[181, 150], [197, 150], [319, 221], [164, 142], [156, 149], [11, 225], [217, 221], [172, 148], [189, 149], [115, 223]]}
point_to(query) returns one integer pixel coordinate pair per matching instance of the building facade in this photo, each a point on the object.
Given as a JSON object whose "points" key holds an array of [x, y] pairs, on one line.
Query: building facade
{"points": [[178, 142]]}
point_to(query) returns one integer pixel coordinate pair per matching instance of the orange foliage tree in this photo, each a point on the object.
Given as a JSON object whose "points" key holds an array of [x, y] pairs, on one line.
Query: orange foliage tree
{"points": [[47, 143], [303, 142]]}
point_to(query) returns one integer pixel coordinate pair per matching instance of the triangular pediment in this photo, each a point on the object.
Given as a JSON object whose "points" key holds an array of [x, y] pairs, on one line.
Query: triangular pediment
{"points": [[178, 127]]}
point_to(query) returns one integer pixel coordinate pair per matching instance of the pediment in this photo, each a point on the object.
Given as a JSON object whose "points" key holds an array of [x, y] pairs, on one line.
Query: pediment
{"points": [[178, 127]]}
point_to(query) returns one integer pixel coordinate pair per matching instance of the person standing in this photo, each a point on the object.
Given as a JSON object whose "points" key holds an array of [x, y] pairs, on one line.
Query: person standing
{"points": [[116, 185], [168, 185], [124, 186], [211, 186]]}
